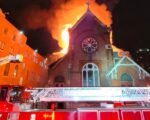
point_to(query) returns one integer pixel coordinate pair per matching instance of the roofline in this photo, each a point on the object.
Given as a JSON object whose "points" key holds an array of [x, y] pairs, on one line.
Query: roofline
{"points": [[129, 60], [58, 62], [84, 15]]}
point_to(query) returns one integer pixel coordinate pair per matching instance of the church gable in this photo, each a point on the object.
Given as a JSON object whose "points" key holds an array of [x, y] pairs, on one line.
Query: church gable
{"points": [[126, 61], [89, 29], [87, 22], [127, 68], [59, 69], [89, 55]]}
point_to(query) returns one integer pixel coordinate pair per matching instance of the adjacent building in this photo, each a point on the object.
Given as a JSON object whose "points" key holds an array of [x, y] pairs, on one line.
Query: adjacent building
{"points": [[32, 72]]}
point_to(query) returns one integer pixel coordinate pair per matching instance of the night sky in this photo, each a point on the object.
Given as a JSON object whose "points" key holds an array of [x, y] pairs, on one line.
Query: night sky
{"points": [[131, 22]]}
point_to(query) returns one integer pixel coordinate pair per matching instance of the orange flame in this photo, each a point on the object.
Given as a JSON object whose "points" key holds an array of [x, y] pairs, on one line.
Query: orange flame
{"points": [[115, 49], [65, 38], [68, 15]]}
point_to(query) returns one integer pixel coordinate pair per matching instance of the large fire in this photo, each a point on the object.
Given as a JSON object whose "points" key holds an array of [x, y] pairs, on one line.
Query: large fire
{"points": [[68, 15], [65, 38]]}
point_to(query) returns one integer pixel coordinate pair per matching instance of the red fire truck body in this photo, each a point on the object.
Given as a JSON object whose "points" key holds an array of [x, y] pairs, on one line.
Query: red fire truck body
{"points": [[80, 114], [11, 98], [117, 112]]}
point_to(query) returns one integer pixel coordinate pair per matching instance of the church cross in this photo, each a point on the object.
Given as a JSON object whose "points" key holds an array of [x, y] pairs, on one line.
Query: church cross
{"points": [[88, 4]]}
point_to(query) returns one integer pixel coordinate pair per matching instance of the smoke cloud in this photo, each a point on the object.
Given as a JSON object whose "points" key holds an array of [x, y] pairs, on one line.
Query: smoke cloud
{"points": [[61, 13], [54, 15]]}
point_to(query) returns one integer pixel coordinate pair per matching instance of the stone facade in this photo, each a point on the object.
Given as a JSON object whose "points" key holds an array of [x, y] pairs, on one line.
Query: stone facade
{"points": [[71, 65]]}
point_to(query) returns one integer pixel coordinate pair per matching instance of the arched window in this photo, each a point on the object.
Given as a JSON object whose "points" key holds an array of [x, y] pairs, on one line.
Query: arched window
{"points": [[90, 75], [59, 81], [6, 71], [16, 70], [126, 80]]}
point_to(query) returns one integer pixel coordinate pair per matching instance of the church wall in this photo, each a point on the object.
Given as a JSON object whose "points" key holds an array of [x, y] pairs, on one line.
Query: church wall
{"points": [[77, 58], [100, 57], [115, 83], [63, 70], [133, 71]]}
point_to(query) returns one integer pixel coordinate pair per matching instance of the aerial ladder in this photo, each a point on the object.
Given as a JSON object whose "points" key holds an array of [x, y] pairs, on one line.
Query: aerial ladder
{"points": [[11, 58]]}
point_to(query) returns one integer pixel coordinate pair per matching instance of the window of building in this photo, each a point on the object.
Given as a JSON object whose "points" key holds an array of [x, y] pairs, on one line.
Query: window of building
{"points": [[126, 80], [16, 70], [5, 30], [59, 81], [11, 50], [2, 44], [90, 75], [6, 71], [14, 37], [21, 80], [23, 66]]}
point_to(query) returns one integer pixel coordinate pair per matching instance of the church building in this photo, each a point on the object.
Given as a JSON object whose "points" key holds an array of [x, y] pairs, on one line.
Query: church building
{"points": [[91, 61]]}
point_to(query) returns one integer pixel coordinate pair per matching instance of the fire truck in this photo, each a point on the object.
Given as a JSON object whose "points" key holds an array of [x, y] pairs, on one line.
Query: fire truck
{"points": [[111, 107], [13, 97], [10, 95], [78, 94], [12, 100]]}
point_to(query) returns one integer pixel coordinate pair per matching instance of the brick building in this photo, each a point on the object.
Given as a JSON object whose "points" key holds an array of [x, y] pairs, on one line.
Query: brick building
{"points": [[32, 71], [91, 61]]}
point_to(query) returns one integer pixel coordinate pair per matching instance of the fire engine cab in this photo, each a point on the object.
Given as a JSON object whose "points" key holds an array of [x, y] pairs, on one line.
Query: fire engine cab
{"points": [[13, 108], [10, 96], [105, 111]]}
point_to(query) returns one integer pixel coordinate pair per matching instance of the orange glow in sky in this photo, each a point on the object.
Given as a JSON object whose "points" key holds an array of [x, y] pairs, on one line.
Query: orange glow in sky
{"points": [[69, 14]]}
